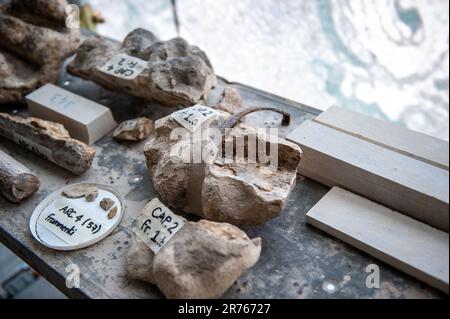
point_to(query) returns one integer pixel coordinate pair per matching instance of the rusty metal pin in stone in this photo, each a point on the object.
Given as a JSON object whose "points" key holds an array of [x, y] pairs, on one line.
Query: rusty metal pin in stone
{"points": [[238, 193]]}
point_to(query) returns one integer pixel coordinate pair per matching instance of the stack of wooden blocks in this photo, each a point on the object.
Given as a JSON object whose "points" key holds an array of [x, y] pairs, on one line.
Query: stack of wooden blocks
{"points": [[390, 194]]}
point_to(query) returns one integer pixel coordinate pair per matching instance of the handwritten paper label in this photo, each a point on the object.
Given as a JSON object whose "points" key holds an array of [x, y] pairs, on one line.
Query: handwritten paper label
{"points": [[124, 66], [69, 223], [128, 125], [157, 225], [193, 117], [34, 147]]}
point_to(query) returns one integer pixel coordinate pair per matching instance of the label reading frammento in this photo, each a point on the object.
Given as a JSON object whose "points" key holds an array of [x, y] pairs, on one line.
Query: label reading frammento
{"points": [[193, 117], [32, 146], [69, 223], [124, 66], [157, 225]]}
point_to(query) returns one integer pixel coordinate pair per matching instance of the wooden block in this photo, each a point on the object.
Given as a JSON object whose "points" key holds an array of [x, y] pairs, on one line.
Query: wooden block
{"points": [[85, 120], [388, 135], [413, 247], [410, 186]]}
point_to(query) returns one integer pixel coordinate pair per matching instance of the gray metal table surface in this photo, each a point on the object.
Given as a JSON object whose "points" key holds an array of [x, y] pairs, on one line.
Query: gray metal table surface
{"points": [[297, 260]]}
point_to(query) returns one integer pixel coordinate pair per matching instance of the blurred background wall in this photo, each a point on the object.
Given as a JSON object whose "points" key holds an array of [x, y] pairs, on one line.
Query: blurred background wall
{"points": [[386, 58]]}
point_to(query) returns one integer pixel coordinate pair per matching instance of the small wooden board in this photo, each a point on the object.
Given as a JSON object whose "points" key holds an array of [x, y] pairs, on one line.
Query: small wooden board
{"points": [[334, 158], [413, 247], [422, 147]]}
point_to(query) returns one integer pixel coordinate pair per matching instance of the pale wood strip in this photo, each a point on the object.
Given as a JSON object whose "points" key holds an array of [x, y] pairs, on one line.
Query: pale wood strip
{"points": [[413, 247]]}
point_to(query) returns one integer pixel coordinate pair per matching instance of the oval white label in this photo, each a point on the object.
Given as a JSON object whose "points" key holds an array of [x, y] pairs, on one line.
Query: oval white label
{"points": [[65, 223]]}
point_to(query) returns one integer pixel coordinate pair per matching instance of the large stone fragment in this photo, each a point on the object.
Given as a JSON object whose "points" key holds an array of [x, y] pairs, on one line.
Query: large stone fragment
{"points": [[250, 193], [34, 41], [202, 260], [177, 73], [239, 191], [49, 140], [80, 190]]}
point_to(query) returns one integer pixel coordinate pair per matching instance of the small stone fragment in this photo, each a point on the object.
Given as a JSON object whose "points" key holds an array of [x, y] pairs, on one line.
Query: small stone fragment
{"points": [[134, 130], [112, 212], [202, 260], [90, 197], [79, 191], [106, 203], [231, 101]]}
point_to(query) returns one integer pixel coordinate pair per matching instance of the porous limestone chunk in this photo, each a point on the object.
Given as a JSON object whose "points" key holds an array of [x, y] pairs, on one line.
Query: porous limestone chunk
{"points": [[202, 260], [176, 73]]}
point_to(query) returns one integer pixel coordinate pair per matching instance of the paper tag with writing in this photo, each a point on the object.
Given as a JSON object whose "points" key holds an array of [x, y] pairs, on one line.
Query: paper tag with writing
{"points": [[124, 66], [34, 147], [157, 225], [128, 125], [69, 223], [193, 117]]}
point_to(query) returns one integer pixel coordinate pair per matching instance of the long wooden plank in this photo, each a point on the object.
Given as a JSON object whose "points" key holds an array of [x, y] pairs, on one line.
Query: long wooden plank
{"points": [[387, 134], [413, 247], [410, 186]]}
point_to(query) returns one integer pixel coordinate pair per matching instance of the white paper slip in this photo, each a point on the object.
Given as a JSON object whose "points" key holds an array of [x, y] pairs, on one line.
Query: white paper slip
{"points": [[157, 225], [193, 117], [124, 66], [69, 222]]}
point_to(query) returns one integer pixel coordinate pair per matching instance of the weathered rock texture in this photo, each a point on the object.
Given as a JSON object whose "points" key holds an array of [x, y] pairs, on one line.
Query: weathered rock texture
{"points": [[106, 203], [16, 180], [238, 192], [34, 41], [48, 139], [178, 74], [134, 130], [202, 260]]}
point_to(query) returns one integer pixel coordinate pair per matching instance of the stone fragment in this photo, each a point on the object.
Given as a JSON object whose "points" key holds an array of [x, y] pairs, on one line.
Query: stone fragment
{"points": [[176, 74], [112, 212], [92, 196], [106, 203], [134, 130], [80, 190], [245, 193], [49, 140], [34, 42], [202, 260], [237, 191]]}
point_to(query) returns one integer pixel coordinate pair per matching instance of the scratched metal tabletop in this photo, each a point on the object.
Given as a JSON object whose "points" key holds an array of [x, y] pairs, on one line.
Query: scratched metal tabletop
{"points": [[297, 260]]}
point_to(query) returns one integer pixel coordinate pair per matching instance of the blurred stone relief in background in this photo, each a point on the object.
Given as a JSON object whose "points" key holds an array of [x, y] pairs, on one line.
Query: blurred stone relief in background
{"points": [[386, 58]]}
